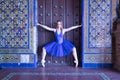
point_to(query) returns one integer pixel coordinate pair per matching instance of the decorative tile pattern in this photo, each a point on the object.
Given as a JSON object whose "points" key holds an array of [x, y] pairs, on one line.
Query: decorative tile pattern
{"points": [[18, 33], [99, 24], [98, 16], [32, 44], [102, 75], [97, 58], [14, 31], [17, 58]]}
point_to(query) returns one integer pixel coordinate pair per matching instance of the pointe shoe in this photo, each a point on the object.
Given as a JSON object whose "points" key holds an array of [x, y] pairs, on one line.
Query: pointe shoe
{"points": [[43, 63], [76, 63]]}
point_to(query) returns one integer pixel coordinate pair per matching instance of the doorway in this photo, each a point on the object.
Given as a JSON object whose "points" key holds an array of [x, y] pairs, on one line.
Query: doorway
{"points": [[70, 13]]}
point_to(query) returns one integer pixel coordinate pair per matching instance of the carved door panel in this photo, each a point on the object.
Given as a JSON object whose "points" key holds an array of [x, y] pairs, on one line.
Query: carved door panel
{"points": [[69, 11]]}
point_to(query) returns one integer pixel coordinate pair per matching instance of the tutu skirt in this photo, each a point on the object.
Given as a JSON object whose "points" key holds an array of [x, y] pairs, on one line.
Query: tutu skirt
{"points": [[59, 49]]}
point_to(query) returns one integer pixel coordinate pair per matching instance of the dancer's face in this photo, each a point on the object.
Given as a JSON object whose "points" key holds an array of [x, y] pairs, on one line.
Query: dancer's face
{"points": [[59, 24]]}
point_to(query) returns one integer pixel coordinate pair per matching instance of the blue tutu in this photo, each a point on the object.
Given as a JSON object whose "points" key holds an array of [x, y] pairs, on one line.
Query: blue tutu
{"points": [[59, 47]]}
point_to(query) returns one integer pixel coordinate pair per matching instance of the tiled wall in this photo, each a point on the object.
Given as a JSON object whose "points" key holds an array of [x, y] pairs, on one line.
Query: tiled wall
{"points": [[97, 26], [18, 40]]}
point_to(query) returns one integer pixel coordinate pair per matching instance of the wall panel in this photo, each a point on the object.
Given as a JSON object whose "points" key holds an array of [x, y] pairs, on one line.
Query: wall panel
{"points": [[18, 36], [97, 21]]}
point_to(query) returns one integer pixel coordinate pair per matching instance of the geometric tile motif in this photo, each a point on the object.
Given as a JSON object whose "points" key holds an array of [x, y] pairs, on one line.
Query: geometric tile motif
{"points": [[17, 58], [99, 24], [97, 58], [100, 74], [14, 28]]}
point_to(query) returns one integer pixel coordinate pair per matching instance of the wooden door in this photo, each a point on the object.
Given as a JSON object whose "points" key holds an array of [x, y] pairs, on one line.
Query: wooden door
{"points": [[69, 11]]}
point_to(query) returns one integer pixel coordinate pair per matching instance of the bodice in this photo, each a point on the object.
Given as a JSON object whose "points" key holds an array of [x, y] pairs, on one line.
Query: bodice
{"points": [[59, 37]]}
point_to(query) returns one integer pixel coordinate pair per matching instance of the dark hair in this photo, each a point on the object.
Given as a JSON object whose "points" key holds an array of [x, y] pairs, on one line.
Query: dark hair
{"points": [[59, 21]]}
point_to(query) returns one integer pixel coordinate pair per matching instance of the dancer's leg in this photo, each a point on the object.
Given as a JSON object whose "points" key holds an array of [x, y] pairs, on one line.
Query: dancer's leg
{"points": [[43, 56], [75, 57]]}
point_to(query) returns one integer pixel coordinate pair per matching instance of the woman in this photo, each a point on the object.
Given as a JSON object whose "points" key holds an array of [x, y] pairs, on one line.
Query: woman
{"points": [[59, 47]]}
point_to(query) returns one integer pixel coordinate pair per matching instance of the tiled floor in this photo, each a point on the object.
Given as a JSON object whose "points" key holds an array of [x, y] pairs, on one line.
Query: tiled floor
{"points": [[58, 73]]}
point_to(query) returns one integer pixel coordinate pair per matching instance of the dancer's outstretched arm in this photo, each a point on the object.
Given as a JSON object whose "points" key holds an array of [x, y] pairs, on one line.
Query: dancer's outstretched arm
{"points": [[46, 27], [71, 28]]}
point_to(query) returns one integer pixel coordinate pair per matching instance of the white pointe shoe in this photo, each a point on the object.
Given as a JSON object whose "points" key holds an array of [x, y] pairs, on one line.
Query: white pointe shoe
{"points": [[76, 63], [43, 63]]}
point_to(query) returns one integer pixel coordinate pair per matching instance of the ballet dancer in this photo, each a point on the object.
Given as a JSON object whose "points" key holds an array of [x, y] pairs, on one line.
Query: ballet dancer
{"points": [[59, 47]]}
